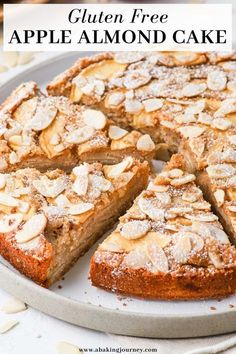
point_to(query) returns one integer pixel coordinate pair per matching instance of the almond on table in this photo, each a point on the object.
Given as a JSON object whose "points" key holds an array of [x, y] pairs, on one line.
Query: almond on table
{"points": [[48, 220]]}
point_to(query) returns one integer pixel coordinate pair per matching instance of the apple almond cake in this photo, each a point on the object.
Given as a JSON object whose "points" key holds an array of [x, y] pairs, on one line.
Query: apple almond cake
{"points": [[169, 245], [116, 110], [48, 220], [50, 132]]}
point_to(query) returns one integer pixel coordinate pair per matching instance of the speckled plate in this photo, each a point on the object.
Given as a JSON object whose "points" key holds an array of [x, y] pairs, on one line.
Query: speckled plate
{"points": [[74, 299]]}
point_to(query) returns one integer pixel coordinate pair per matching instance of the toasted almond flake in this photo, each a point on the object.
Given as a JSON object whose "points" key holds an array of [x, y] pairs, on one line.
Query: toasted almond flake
{"points": [[162, 240], [152, 104], [81, 170], [204, 118], [99, 182], [13, 305], [136, 259], [150, 208], [217, 233], [219, 195], [116, 133], [135, 229], [67, 348], [157, 257], [201, 205], [9, 223], [80, 208], [175, 173], [180, 210], [7, 326], [50, 187], [227, 106], [80, 185], [220, 171], [215, 258], [43, 117], [192, 196], [115, 171], [191, 131], [221, 124], [2, 180], [182, 180], [13, 158], [232, 208], [136, 78], [116, 98], [192, 89], [145, 143], [207, 217], [229, 65], [232, 139], [81, 135], [216, 80], [157, 188], [182, 248], [128, 57], [95, 119], [133, 106], [6, 199], [32, 228], [195, 108], [168, 124]]}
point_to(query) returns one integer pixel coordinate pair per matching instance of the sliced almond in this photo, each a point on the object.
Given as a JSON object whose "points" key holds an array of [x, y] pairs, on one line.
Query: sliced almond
{"points": [[6, 199], [5, 327], [136, 78], [157, 188], [80, 186], [151, 209], [162, 240], [80, 208], [221, 123], [191, 131], [182, 248], [204, 118], [133, 106], [9, 223], [136, 259], [145, 143], [115, 171], [207, 217], [135, 229], [227, 106], [192, 196], [44, 116], [128, 57], [116, 133], [152, 104], [175, 173], [50, 187], [116, 98], [220, 171], [67, 348], [182, 180], [157, 257], [232, 139], [13, 305], [216, 80], [80, 135], [95, 119], [192, 89], [219, 194], [218, 234], [2, 180], [232, 208], [216, 260], [15, 140], [32, 228]]}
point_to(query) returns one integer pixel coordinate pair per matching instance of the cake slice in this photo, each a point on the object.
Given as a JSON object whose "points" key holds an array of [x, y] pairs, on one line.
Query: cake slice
{"points": [[48, 220], [169, 245], [50, 132]]}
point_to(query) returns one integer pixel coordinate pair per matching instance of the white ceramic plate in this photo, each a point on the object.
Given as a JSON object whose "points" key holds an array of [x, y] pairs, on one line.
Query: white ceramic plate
{"points": [[76, 301]]}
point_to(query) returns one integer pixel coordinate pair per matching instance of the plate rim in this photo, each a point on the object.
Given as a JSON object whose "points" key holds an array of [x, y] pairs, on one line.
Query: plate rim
{"points": [[101, 321]]}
